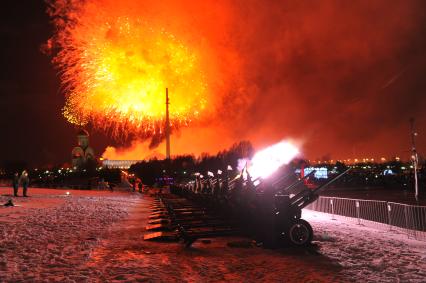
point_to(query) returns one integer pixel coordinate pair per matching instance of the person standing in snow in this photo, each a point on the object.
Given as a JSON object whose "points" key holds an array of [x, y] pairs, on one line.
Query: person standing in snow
{"points": [[111, 186], [134, 185], [25, 181], [15, 184], [140, 186]]}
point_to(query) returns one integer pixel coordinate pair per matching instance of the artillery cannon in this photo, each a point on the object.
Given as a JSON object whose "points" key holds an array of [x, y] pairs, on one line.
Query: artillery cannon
{"points": [[269, 210], [281, 210]]}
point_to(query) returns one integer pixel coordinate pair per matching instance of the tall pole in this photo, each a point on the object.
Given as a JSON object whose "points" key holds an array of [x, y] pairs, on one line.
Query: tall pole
{"points": [[167, 125], [415, 158]]}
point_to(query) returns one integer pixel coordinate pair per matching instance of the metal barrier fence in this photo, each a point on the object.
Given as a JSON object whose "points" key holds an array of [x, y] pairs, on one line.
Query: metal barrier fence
{"points": [[409, 219]]}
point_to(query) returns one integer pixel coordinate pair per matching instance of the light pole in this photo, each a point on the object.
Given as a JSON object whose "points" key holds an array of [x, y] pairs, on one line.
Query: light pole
{"points": [[167, 125], [414, 158]]}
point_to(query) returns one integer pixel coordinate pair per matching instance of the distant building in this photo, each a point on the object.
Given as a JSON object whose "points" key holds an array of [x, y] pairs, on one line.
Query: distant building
{"points": [[120, 164], [83, 152]]}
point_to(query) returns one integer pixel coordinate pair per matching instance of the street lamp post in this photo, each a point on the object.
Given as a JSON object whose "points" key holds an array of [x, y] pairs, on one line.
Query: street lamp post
{"points": [[415, 159]]}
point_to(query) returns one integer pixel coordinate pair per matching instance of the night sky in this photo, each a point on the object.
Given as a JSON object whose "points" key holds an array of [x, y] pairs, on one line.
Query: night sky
{"points": [[33, 128], [341, 77]]}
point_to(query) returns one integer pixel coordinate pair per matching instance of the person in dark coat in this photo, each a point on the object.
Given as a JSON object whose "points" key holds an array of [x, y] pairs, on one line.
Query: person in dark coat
{"points": [[15, 184], [25, 181], [111, 186], [134, 185]]}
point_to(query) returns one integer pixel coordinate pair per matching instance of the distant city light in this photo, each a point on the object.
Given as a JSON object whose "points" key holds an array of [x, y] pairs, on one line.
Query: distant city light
{"points": [[320, 173]]}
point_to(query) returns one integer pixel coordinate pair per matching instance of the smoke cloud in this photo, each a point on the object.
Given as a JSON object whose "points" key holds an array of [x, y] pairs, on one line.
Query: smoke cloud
{"points": [[342, 77]]}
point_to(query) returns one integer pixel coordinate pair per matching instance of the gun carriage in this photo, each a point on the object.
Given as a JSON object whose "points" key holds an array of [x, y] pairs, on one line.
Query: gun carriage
{"points": [[268, 210]]}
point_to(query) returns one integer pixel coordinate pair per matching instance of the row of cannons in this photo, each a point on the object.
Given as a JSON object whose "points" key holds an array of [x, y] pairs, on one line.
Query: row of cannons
{"points": [[267, 210]]}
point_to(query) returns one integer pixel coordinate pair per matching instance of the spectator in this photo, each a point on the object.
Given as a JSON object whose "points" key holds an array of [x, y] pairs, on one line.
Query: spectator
{"points": [[25, 181], [140, 186], [15, 184]]}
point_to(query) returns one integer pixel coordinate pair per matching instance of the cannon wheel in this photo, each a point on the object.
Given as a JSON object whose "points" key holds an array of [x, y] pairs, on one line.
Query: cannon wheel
{"points": [[300, 233]]}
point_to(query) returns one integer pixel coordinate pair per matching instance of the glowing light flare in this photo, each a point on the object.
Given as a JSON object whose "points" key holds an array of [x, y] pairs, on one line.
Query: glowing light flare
{"points": [[268, 160]]}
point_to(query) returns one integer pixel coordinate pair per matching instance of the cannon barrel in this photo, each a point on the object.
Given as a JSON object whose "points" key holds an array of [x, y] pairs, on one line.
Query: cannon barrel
{"points": [[306, 197], [294, 184]]}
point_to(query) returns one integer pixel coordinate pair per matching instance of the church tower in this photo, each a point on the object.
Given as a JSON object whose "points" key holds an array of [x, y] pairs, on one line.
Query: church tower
{"points": [[83, 152]]}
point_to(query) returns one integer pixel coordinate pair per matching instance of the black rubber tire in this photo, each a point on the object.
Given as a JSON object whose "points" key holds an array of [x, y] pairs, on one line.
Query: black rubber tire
{"points": [[300, 233]]}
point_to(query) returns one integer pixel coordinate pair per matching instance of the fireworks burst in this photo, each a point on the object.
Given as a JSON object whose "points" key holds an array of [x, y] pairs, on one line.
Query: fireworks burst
{"points": [[114, 71]]}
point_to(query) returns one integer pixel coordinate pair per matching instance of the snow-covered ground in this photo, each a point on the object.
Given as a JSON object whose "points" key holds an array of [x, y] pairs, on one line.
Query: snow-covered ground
{"points": [[48, 235], [369, 254], [94, 236]]}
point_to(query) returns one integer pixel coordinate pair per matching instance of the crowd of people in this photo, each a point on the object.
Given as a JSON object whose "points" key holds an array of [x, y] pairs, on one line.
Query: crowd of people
{"points": [[136, 184], [22, 180]]}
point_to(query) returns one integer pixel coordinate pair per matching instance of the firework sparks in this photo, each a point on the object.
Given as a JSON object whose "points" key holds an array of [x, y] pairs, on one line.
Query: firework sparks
{"points": [[115, 69]]}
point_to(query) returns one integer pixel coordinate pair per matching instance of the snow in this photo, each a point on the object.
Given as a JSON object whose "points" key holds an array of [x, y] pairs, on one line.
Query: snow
{"points": [[47, 236], [369, 254], [92, 236]]}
